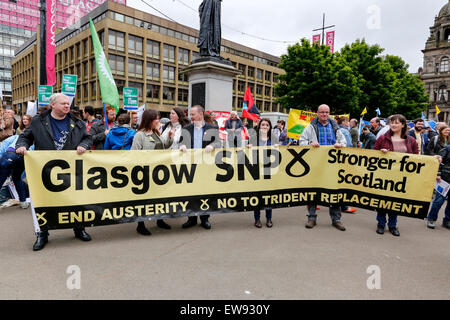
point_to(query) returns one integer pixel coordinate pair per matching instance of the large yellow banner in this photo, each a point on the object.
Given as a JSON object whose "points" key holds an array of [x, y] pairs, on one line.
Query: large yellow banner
{"points": [[107, 187]]}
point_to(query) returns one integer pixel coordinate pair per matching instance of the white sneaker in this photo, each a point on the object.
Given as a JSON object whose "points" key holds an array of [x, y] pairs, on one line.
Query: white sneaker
{"points": [[10, 203], [24, 205], [430, 224]]}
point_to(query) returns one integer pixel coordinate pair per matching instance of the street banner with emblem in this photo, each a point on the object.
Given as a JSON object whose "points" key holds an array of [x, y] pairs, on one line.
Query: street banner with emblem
{"points": [[330, 40], [316, 39]]}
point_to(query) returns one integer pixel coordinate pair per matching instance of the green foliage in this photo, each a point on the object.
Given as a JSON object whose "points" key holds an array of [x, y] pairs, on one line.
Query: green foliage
{"points": [[348, 81]]}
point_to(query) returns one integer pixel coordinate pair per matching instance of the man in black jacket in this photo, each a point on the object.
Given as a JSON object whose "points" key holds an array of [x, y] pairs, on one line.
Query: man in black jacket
{"points": [[234, 126], [56, 129], [199, 135], [98, 130]]}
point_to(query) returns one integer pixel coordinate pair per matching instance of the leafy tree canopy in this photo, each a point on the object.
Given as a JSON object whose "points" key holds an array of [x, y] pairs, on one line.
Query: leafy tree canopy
{"points": [[356, 77]]}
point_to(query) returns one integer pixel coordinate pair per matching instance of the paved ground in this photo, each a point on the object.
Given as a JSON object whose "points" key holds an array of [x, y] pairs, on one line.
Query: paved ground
{"points": [[233, 260]]}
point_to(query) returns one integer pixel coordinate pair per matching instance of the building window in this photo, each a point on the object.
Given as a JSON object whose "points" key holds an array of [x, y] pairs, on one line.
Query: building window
{"points": [[119, 17], [153, 49], [135, 45], [182, 77], [85, 70], [275, 77], [169, 74], [266, 106], [183, 95], [169, 93], [153, 71], [152, 91], [117, 64], [259, 89], [268, 76], [93, 90], [128, 20], [93, 68], [251, 72], [444, 64], [135, 68], [169, 53], [78, 50], [442, 93], [183, 56], [85, 47], [137, 85], [242, 69], [267, 91], [85, 91], [116, 40], [259, 74], [120, 84]]}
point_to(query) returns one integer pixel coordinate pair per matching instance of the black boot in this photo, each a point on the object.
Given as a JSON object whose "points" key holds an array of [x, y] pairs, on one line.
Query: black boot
{"points": [[81, 234], [162, 224], [192, 221], [41, 241], [141, 229]]}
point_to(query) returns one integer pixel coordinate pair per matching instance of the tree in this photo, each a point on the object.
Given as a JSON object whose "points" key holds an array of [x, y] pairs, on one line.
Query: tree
{"points": [[313, 76], [348, 81]]}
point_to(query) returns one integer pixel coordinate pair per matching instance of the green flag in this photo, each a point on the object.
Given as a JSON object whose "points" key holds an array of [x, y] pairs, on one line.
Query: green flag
{"points": [[108, 88]]}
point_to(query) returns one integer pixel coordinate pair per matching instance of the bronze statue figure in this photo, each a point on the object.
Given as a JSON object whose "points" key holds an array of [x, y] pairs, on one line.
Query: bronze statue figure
{"points": [[210, 29]]}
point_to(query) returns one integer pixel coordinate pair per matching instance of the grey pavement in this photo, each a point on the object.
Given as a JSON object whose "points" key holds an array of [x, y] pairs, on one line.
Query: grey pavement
{"points": [[233, 260]]}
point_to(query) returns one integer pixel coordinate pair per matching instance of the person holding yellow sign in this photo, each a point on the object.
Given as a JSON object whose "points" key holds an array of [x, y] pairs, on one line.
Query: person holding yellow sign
{"points": [[323, 131]]}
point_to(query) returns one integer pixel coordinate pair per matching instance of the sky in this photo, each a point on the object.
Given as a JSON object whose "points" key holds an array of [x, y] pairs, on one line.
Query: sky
{"points": [[400, 27]]}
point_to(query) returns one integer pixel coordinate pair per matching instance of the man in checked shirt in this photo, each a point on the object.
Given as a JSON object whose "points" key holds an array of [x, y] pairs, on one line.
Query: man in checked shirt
{"points": [[323, 131]]}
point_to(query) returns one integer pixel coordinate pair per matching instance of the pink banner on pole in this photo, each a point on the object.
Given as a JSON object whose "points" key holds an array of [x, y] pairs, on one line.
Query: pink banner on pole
{"points": [[50, 50], [330, 40], [316, 39]]}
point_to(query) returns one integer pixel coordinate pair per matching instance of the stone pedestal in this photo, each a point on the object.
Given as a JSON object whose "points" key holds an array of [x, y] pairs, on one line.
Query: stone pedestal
{"points": [[211, 83]]}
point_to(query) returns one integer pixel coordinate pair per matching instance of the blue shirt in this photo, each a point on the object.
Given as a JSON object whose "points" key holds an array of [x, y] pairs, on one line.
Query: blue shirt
{"points": [[60, 129], [198, 138], [326, 134]]}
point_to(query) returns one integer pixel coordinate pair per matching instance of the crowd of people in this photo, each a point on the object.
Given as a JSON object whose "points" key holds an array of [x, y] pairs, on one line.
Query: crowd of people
{"points": [[57, 127]]}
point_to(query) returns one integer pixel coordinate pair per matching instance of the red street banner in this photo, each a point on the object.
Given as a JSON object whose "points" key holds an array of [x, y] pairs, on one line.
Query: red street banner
{"points": [[330, 40], [316, 39], [50, 50]]}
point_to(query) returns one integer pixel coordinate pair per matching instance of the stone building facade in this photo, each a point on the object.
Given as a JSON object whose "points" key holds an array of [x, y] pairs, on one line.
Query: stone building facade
{"points": [[436, 66]]}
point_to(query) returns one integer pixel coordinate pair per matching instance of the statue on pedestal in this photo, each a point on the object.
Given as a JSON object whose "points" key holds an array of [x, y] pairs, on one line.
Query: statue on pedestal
{"points": [[210, 28]]}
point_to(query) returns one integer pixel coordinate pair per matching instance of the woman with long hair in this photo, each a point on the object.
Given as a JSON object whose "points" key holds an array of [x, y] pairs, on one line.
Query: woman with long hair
{"points": [[439, 142], [24, 123], [174, 127], [395, 139], [148, 138], [264, 136]]}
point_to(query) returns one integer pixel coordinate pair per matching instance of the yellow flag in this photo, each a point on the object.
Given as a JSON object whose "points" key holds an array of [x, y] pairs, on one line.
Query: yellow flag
{"points": [[437, 110], [298, 121], [364, 111]]}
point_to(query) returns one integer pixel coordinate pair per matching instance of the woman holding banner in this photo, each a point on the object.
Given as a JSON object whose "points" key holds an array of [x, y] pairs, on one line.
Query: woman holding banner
{"points": [[174, 127], [397, 140], [148, 137], [264, 136]]}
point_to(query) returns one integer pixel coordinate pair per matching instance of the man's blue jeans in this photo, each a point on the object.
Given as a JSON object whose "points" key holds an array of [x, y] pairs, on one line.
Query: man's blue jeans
{"points": [[12, 164], [436, 206], [257, 214], [381, 218]]}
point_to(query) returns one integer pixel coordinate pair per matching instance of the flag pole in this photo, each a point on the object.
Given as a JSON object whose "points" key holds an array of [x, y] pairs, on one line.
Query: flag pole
{"points": [[106, 116]]}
